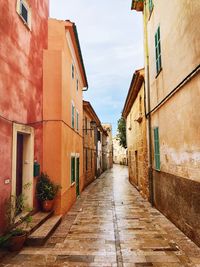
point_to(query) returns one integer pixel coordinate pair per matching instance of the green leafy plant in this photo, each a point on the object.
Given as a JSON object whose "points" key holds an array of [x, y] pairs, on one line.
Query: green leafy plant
{"points": [[15, 207], [45, 188]]}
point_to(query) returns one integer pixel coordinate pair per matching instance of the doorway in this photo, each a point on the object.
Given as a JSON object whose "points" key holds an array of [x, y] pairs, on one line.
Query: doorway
{"points": [[22, 163], [77, 176]]}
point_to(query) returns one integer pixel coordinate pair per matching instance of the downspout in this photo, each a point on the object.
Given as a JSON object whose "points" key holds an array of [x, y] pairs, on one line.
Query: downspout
{"points": [[150, 169]]}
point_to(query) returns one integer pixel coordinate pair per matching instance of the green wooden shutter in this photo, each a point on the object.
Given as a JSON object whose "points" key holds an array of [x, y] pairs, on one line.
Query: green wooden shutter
{"points": [[150, 6], [72, 169], [156, 148], [158, 50]]}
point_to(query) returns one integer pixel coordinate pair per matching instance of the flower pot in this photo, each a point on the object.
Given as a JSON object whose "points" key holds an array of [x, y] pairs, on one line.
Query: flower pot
{"points": [[47, 205], [16, 242]]}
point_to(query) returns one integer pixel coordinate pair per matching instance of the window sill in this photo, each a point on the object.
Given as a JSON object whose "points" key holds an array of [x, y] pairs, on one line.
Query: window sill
{"points": [[158, 73]]}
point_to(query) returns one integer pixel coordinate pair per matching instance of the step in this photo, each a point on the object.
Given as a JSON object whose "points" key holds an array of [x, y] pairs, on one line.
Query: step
{"points": [[37, 220], [40, 236]]}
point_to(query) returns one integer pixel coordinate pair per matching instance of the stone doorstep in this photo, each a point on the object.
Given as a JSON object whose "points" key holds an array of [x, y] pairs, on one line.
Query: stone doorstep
{"points": [[40, 235], [37, 220]]}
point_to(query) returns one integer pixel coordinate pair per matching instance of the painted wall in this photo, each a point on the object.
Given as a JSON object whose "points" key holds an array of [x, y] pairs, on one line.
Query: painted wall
{"points": [[21, 53], [137, 145], [178, 117], [60, 91]]}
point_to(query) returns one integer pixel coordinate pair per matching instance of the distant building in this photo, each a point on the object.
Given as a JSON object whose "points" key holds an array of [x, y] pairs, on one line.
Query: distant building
{"points": [[119, 153], [90, 148], [107, 146], [23, 36], [64, 82], [134, 113], [172, 84]]}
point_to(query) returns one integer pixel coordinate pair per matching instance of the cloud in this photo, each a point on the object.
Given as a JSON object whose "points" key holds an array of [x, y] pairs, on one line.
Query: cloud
{"points": [[112, 46]]}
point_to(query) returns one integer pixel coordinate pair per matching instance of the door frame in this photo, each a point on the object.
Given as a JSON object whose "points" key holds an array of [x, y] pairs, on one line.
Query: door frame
{"points": [[28, 160]]}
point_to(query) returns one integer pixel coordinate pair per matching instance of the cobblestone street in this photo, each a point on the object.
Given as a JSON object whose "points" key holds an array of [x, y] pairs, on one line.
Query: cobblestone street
{"points": [[111, 225]]}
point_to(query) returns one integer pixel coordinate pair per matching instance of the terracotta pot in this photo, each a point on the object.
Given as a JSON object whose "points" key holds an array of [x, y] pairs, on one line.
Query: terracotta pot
{"points": [[47, 205], [16, 242]]}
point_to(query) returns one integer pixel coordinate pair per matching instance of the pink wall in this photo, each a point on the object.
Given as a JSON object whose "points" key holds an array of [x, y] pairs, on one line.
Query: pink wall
{"points": [[21, 52]]}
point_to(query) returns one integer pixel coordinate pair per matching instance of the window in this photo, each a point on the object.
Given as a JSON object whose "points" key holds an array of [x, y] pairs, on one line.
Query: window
{"points": [[98, 136], [158, 51], [72, 169], [24, 12], [86, 159], [77, 120], [91, 159], [85, 125], [73, 115], [156, 149], [77, 85], [72, 71], [150, 6]]}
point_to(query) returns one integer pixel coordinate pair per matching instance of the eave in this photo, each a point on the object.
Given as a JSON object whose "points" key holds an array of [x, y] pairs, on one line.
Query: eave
{"points": [[135, 86], [74, 35]]}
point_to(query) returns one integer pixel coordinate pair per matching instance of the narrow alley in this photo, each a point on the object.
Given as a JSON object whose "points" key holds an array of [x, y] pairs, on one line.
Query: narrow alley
{"points": [[111, 225]]}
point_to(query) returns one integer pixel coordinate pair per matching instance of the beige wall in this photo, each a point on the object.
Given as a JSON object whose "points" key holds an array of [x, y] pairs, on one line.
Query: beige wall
{"points": [[137, 141], [178, 118], [119, 153]]}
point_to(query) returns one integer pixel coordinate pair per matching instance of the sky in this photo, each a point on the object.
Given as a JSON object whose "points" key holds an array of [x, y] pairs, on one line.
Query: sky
{"points": [[111, 39]]}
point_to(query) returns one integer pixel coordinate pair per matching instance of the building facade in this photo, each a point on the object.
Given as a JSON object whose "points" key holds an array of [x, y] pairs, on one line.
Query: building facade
{"points": [[107, 146], [134, 113], [90, 122], [172, 54], [64, 82], [23, 36], [119, 153]]}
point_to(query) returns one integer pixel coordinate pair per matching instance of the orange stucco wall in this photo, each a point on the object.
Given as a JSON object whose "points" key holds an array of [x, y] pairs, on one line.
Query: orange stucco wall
{"points": [[60, 90]]}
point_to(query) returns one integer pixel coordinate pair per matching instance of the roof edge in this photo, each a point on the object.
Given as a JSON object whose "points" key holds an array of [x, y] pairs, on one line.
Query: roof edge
{"points": [[136, 84]]}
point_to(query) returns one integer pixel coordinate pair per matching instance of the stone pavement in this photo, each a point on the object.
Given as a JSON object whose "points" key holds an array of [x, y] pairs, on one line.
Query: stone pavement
{"points": [[111, 225]]}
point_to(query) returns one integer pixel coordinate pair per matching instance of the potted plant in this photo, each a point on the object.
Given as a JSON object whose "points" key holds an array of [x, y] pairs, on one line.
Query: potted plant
{"points": [[17, 222], [46, 191]]}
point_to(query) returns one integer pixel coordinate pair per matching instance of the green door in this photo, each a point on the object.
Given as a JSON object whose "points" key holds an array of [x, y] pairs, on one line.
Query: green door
{"points": [[77, 177]]}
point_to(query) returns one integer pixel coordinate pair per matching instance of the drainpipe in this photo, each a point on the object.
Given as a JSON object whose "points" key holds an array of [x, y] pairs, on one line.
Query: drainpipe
{"points": [[150, 170]]}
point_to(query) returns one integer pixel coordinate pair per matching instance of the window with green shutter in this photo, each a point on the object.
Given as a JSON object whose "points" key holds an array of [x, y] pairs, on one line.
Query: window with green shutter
{"points": [[150, 6], [73, 116], [158, 51], [72, 170], [156, 148]]}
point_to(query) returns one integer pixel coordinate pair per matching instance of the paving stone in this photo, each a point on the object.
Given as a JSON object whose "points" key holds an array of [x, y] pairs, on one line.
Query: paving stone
{"points": [[111, 225]]}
